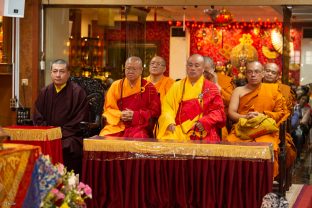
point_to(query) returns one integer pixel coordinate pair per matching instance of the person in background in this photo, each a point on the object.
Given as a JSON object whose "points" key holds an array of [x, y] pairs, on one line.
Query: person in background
{"points": [[132, 104], [300, 123], [64, 104], [224, 84], [162, 83], [193, 107], [271, 75], [255, 99]]}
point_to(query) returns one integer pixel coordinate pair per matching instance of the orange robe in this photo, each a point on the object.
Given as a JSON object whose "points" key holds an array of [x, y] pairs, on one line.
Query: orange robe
{"points": [[227, 88], [142, 98], [290, 102], [265, 99], [162, 86]]}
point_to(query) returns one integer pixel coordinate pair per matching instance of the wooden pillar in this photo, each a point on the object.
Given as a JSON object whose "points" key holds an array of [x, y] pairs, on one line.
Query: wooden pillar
{"points": [[286, 49]]}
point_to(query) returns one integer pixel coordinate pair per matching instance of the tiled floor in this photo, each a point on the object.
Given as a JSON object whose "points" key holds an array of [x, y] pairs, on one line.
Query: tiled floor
{"points": [[303, 168]]}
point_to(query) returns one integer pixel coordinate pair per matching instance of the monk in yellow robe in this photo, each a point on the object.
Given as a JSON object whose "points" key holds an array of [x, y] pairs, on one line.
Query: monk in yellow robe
{"points": [[256, 98], [162, 83], [132, 104], [224, 84], [193, 107], [271, 75]]}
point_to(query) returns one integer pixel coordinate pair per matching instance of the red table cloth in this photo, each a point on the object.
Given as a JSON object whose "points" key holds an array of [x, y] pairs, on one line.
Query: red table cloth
{"points": [[47, 137], [127, 173]]}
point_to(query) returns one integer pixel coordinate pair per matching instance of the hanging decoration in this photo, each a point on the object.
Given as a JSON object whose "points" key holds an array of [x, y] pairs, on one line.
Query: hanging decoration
{"points": [[221, 17]]}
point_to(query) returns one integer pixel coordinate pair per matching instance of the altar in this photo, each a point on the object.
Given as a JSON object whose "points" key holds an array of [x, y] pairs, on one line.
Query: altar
{"points": [[149, 173]]}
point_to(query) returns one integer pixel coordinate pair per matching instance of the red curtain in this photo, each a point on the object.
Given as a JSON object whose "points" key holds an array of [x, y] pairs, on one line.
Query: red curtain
{"points": [[163, 182]]}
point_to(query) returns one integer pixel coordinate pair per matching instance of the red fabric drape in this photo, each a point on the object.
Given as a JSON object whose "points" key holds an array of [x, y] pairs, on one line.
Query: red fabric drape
{"points": [[52, 148], [165, 182]]}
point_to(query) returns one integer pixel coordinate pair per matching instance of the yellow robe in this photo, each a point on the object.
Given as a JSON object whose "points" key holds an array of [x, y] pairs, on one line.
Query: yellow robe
{"points": [[162, 86], [170, 106], [265, 99]]}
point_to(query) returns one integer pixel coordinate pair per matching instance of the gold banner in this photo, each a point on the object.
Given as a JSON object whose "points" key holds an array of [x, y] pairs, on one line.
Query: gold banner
{"points": [[235, 150], [34, 134], [13, 162]]}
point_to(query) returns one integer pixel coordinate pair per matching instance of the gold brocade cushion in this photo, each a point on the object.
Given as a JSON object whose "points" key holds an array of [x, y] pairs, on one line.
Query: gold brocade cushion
{"points": [[255, 127]]}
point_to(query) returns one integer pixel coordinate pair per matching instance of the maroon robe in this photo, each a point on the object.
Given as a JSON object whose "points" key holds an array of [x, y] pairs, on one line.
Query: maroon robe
{"points": [[65, 109]]}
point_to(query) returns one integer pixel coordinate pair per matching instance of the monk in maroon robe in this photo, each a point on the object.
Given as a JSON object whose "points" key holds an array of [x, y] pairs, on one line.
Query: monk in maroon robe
{"points": [[64, 104]]}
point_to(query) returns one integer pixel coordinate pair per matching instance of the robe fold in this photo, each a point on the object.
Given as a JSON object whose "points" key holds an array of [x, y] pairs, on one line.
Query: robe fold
{"points": [[290, 102], [162, 86], [268, 100], [142, 98], [201, 102], [227, 87]]}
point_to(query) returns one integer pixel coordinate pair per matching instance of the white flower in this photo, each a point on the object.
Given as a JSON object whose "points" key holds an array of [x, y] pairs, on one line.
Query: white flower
{"points": [[73, 180]]}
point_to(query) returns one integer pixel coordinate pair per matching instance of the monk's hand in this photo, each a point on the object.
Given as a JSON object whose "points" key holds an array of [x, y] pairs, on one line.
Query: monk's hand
{"points": [[253, 114], [199, 126], [171, 127], [127, 115]]}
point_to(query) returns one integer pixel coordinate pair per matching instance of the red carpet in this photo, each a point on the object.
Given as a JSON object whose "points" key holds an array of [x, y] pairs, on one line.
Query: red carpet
{"points": [[304, 199]]}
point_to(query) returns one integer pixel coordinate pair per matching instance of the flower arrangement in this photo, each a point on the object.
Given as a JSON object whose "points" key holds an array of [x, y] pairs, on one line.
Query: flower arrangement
{"points": [[67, 190]]}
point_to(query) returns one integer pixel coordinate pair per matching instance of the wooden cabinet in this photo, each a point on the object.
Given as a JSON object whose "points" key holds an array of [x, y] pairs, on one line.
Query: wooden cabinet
{"points": [[85, 54], [5, 45]]}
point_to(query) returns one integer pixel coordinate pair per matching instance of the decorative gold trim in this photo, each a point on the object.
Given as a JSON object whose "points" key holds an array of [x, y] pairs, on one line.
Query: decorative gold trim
{"points": [[175, 148], [14, 160], [34, 134]]}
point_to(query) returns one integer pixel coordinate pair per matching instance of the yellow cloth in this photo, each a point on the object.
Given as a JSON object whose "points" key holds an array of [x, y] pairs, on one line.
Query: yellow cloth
{"points": [[170, 107], [35, 134], [162, 86], [265, 99], [255, 127], [111, 110], [58, 89], [172, 148]]}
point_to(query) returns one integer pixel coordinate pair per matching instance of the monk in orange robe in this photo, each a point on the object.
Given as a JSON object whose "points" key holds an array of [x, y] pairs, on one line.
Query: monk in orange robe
{"points": [[162, 83], [224, 84], [132, 104], [271, 74], [256, 98]]}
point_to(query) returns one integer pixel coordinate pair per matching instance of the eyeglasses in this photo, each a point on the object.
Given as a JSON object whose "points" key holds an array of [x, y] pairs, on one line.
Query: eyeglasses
{"points": [[156, 64], [256, 72]]}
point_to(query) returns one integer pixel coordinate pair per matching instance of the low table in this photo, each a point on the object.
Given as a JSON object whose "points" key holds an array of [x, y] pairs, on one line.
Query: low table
{"points": [[128, 173], [47, 137]]}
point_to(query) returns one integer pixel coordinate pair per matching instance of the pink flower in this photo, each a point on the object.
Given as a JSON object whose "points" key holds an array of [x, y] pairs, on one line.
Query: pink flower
{"points": [[60, 195], [54, 191], [88, 191], [81, 186]]}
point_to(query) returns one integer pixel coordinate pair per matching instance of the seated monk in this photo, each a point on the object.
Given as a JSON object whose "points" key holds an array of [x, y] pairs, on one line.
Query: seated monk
{"points": [[162, 83], [271, 75], [193, 107], [224, 84], [257, 98], [132, 104]]}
